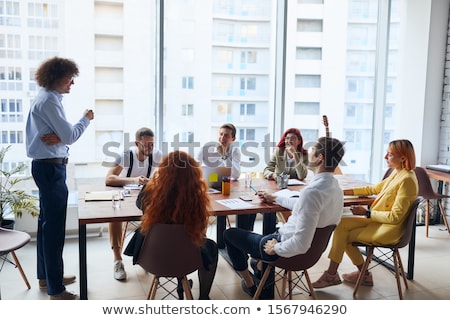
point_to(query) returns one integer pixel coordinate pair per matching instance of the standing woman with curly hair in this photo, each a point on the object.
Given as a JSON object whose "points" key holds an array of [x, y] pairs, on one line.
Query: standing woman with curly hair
{"points": [[289, 157], [177, 194]]}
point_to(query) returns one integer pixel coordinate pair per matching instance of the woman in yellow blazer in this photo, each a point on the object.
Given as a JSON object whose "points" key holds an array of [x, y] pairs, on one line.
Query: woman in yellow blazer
{"points": [[383, 223]]}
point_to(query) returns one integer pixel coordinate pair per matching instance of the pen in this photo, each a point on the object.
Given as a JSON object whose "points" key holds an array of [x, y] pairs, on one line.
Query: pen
{"points": [[256, 191]]}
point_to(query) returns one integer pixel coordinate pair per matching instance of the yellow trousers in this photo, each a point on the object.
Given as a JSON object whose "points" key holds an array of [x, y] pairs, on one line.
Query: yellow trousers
{"points": [[344, 235]]}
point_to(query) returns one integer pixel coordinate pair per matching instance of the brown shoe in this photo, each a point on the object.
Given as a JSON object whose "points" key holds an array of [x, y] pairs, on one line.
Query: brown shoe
{"points": [[65, 295], [327, 280], [66, 280], [353, 278]]}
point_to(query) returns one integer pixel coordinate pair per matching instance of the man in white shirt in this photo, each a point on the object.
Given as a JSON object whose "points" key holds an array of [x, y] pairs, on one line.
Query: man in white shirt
{"points": [[320, 204], [134, 166], [223, 154]]}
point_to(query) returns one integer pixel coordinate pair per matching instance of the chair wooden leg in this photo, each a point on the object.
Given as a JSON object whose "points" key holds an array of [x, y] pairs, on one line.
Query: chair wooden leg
{"points": [[19, 266], [402, 270], [124, 233], [363, 270], [427, 218], [397, 275], [285, 279], [290, 287], [262, 283], [187, 288], [153, 288], [310, 287], [444, 216]]}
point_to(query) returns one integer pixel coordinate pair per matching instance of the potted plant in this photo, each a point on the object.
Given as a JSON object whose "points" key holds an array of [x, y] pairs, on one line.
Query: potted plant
{"points": [[12, 199]]}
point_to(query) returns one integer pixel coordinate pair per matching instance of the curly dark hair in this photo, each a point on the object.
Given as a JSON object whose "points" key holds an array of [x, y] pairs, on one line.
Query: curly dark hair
{"points": [[176, 194], [52, 71]]}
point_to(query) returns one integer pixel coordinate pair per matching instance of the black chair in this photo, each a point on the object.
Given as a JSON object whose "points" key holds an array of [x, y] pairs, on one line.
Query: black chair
{"points": [[427, 193], [168, 252], [393, 253], [301, 262]]}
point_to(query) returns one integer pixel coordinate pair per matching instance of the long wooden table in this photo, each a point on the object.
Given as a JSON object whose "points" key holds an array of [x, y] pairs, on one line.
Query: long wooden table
{"points": [[91, 212], [441, 177]]}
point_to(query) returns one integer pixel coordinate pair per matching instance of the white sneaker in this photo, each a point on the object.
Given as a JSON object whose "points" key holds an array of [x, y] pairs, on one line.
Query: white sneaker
{"points": [[119, 270]]}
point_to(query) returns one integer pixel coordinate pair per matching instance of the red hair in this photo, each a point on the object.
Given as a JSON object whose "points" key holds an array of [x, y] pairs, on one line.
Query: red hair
{"points": [[281, 144], [176, 194]]}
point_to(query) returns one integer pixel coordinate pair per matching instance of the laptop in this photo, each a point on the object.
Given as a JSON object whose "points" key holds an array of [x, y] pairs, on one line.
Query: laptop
{"points": [[439, 167], [214, 176]]}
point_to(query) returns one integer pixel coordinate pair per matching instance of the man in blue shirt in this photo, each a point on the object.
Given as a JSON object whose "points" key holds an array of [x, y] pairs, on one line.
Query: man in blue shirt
{"points": [[47, 135]]}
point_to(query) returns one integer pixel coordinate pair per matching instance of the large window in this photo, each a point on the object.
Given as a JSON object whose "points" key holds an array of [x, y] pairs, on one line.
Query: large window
{"points": [[247, 62]]}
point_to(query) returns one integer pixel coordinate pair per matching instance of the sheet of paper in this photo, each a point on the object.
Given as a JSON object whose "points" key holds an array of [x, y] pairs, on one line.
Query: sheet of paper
{"points": [[101, 195], [133, 186], [287, 193], [235, 203], [295, 182]]}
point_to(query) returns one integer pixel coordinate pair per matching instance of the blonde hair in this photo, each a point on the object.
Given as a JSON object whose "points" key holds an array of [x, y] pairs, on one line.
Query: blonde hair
{"points": [[406, 149]]}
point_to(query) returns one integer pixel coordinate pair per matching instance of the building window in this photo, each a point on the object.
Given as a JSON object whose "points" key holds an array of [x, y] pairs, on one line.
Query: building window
{"points": [[248, 57], [9, 13], [307, 108], [304, 53], [187, 137], [12, 137], [187, 109], [309, 25], [42, 15], [248, 83], [11, 110], [41, 47], [307, 81], [187, 83], [223, 108], [11, 79], [309, 135], [225, 57], [247, 134], [309, 1], [11, 165], [10, 47], [247, 109]]}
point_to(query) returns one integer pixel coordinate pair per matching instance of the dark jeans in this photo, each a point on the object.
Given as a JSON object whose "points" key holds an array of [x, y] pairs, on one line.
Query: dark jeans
{"points": [[50, 178], [240, 243], [246, 221], [210, 256]]}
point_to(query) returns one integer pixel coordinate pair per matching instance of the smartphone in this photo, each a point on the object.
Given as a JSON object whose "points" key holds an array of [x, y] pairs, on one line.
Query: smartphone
{"points": [[245, 198]]}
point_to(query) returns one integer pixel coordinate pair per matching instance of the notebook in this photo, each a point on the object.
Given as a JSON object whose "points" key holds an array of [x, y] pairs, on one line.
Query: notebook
{"points": [[439, 167], [101, 195], [214, 176]]}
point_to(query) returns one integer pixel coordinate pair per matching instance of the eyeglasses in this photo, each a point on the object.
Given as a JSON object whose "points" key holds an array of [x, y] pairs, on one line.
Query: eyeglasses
{"points": [[147, 144]]}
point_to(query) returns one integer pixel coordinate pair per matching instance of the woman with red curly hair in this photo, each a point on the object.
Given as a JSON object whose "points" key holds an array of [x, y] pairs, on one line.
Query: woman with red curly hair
{"points": [[177, 194], [289, 157]]}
